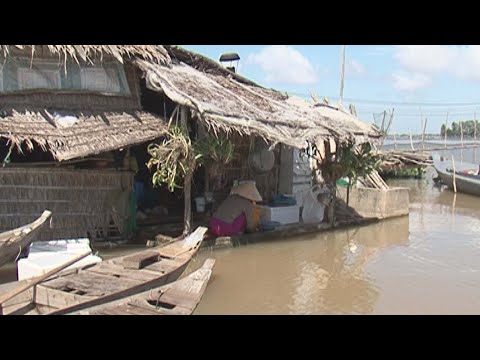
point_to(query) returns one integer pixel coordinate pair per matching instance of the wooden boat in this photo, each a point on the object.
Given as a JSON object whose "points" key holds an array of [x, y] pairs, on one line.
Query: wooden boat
{"points": [[109, 280], [469, 184], [13, 242], [180, 297]]}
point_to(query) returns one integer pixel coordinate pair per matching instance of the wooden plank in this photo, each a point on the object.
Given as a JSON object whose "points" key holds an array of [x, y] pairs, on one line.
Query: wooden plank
{"points": [[163, 266], [127, 309], [120, 272], [91, 284], [138, 261], [58, 299]]}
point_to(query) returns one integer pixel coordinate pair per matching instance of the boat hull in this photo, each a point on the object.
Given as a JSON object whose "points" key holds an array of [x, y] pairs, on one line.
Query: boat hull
{"points": [[464, 184], [13, 242]]}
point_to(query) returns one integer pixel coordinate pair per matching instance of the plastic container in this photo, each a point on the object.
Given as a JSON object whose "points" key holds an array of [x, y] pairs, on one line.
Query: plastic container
{"points": [[284, 215], [313, 210], [200, 204]]}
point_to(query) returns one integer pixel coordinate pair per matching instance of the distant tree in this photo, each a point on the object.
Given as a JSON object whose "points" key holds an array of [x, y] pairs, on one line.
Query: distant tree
{"points": [[468, 127]]}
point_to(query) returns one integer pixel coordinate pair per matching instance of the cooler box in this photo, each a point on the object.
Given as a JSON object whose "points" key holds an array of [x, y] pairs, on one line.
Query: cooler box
{"points": [[47, 255], [284, 214]]}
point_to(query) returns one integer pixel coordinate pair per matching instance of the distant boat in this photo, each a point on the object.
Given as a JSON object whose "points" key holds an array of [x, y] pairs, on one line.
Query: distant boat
{"points": [[466, 175], [13, 242]]}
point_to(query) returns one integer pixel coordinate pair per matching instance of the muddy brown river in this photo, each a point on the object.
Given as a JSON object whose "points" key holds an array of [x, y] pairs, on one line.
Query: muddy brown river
{"points": [[424, 263]]}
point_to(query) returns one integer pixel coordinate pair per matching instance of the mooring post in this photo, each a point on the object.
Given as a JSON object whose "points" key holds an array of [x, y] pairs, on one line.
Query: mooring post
{"points": [[446, 127], [454, 178]]}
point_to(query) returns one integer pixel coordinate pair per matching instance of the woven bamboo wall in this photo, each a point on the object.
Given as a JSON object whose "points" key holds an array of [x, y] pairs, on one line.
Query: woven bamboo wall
{"points": [[80, 200]]}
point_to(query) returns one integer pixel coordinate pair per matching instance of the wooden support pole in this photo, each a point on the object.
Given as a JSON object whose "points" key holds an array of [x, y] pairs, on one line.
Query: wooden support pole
{"points": [[475, 128], [475, 137], [454, 177], [187, 187], [423, 134], [461, 133], [342, 81], [411, 141], [446, 128], [461, 141]]}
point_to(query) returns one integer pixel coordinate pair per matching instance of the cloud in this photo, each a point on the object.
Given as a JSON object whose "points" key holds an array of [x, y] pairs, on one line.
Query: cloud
{"points": [[410, 82], [283, 64], [356, 68], [424, 58], [462, 62], [379, 51]]}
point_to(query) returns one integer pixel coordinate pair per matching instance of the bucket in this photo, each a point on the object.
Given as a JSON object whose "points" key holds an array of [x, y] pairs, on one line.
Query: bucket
{"points": [[200, 204]]}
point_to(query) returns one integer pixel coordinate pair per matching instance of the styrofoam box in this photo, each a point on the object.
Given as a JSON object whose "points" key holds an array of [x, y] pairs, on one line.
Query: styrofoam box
{"points": [[47, 255], [284, 214]]}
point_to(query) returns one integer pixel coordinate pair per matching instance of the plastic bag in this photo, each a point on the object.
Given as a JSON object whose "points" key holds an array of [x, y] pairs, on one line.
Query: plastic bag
{"points": [[313, 210]]}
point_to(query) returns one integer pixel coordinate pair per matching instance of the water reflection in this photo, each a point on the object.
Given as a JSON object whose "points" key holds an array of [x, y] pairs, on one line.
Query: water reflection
{"points": [[325, 273]]}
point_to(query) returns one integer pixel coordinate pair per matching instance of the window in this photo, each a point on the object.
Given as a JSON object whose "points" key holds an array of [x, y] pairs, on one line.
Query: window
{"points": [[38, 78], [20, 73], [100, 79]]}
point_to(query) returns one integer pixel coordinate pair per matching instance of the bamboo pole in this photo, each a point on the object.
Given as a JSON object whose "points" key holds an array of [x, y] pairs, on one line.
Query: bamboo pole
{"points": [[475, 137], [454, 177], [446, 127], [461, 141], [423, 134], [342, 81], [475, 128], [421, 127]]}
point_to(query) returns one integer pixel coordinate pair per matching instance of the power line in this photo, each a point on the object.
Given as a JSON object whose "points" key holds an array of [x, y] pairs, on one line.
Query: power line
{"points": [[388, 102]]}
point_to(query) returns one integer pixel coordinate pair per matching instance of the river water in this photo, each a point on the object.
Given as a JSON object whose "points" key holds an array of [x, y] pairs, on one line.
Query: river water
{"points": [[424, 263]]}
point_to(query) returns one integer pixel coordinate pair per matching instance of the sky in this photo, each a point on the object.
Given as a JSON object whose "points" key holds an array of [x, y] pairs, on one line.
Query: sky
{"points": [[418, 81]]}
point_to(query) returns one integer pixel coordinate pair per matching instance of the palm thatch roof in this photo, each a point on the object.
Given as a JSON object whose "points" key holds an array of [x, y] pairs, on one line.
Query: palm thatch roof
{"points": [[87, 53], [222, 99], [91, 133], [227, 101]]}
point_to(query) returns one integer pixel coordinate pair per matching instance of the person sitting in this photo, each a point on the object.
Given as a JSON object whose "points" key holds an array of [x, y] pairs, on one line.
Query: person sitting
{"points": [[236, 213]]}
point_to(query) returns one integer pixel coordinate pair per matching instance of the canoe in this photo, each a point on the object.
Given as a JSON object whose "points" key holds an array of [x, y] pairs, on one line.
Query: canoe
{"points": [[469, 184], [13, 242], [180, 297], [110, 280]]}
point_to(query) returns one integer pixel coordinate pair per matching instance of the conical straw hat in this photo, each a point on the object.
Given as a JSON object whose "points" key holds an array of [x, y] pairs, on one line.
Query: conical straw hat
{"points": [[248, 190]]}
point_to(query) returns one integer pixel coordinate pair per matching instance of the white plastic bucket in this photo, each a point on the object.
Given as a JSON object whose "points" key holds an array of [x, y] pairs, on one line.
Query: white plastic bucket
{"points": [[200, 204]]}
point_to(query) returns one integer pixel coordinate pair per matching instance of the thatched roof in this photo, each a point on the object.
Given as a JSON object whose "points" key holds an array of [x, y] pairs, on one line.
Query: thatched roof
{"points": [[229, 102], [88, 53], [222, 99], [92, 133]]}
